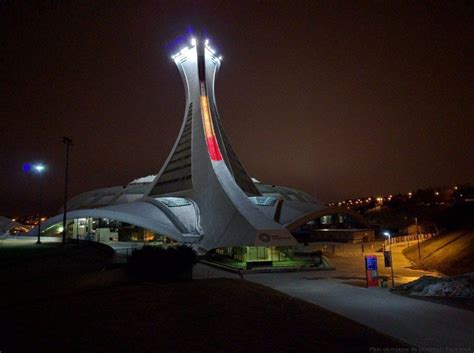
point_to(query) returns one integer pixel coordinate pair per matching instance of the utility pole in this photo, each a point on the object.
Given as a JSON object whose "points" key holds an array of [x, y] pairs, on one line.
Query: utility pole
{"points": [[391, 255], [68, 142], [391, 262], [418, 238]]}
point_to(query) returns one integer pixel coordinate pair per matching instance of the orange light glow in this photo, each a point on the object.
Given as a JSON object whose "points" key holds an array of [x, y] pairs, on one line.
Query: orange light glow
{"points": [[209, 133]]}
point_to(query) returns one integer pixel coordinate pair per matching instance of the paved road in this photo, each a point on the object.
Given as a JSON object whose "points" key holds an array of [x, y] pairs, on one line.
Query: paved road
{"points": [[352, 266]]}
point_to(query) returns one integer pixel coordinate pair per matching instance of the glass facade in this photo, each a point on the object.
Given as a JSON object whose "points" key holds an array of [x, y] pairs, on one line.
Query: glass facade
{"points": [[250, 257], [332, 221], [107, 230], [337, 227], [256, 253]]}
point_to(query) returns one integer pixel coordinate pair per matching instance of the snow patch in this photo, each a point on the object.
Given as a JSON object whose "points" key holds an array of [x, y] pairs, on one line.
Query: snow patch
{"points": [[457, 286]]}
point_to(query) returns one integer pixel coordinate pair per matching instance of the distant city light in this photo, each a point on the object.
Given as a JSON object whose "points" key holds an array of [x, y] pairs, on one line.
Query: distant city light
{"points": [[387, 234]]}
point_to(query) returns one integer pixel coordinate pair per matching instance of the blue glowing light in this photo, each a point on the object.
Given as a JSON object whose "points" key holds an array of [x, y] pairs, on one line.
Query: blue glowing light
{"points": [[26, 167]]}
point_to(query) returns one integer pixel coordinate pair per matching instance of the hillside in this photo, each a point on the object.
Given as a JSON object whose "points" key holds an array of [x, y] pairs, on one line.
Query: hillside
{"points": [[450, 253]]}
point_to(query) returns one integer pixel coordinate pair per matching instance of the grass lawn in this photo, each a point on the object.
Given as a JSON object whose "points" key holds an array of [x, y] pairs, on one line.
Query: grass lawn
{"points": [[450, 253], [219, 315], [29, 271], [13, 252]]}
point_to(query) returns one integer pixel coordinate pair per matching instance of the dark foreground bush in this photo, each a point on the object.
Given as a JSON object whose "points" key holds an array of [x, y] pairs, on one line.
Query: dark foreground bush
{"points": [[162, 264]]}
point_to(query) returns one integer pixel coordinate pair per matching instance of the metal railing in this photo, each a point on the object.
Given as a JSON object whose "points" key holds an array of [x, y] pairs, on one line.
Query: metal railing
{"points": [[408, 238]]}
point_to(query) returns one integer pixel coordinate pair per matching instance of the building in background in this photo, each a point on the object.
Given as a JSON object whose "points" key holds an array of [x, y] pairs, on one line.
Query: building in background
{"points": [[203, 196]]}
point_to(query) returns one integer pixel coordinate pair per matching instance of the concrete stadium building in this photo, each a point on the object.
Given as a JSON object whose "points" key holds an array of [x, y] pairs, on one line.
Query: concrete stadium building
{"points": [[202, 195]]}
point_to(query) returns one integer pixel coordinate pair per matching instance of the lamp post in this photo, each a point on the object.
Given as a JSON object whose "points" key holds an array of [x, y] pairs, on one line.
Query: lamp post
{"points": [[418, 238], [39, 169], [391, 256], [68, 142]]}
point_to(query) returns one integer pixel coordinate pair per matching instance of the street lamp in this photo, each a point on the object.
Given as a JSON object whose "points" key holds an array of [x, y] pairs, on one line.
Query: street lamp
{"points": [[418, 239], [39, 169], [68, 142], [387, 234]]}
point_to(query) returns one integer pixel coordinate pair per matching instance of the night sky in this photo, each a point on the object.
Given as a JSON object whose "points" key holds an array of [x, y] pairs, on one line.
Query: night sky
{"points": [[335, 98]]}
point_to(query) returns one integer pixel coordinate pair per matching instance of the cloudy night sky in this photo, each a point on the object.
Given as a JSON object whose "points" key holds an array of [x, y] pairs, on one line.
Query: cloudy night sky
{"points": [[340, 99]]}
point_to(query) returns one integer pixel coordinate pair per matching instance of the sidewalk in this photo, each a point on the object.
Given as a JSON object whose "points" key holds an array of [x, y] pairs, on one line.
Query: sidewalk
{"points": [[416, 322]]}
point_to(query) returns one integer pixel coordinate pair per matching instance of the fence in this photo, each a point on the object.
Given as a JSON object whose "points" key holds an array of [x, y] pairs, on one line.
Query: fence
{"points": [[408, 238]]}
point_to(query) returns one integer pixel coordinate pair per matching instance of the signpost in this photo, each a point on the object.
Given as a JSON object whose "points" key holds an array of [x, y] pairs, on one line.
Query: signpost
{"points": [[371, 273], [389, 253], [387, 256]]}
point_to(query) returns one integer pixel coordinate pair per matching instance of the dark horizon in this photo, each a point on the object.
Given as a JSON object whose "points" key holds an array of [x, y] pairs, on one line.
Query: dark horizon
{"points": [[339, 101]]}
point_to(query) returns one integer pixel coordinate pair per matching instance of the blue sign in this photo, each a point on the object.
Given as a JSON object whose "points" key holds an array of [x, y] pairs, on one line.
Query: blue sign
{"points": [[371, 263], [371, 274]]}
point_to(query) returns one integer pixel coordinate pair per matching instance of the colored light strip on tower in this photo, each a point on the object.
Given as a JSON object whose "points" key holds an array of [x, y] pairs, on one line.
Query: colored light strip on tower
{"points": [[212, 146]]}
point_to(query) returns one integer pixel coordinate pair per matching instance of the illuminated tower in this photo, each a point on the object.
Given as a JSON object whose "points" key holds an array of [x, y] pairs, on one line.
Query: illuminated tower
{"points": [[202, 196], [203, 166]]}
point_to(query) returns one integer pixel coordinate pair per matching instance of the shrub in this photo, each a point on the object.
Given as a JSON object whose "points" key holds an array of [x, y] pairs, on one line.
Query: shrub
{"points": [[162, 264]]}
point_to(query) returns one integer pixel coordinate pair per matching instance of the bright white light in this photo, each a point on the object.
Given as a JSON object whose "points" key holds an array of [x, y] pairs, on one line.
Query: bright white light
{"points": [[387, 234], [193, 41], [184, 50], [220, 57], [206, 42], [39, 168]]}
